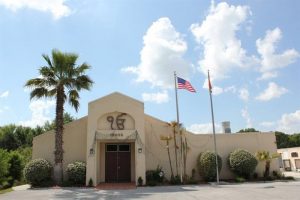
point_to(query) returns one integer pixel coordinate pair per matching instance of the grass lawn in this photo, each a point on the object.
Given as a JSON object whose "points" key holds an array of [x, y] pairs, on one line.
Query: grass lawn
{"points": [[6, 190]]}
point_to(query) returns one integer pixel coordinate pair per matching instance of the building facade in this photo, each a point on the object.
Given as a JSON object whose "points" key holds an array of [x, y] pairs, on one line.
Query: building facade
{"points": [[119, 142], [289, 159]]}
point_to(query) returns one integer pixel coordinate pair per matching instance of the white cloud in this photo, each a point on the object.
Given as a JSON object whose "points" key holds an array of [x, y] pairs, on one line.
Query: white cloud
{"points": [[273, 91], [244, 94], [217, 33], [290, 122], [4, 94], [267, 124], [57, 8], [161, 55], [160, 97], [246, 116], [270, 61], [204, 128], [216, 90], [40, 113]]}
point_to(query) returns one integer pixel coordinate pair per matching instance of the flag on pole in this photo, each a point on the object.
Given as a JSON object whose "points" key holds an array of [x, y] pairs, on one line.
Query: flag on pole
{"points": [[209, 84], [184, 84]]}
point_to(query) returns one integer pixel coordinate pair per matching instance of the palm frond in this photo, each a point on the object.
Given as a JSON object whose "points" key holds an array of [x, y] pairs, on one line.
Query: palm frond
{"points": [[39, 92], [74, 99], [36, 82], [46, 72], [82, 68], [46, 57], [83, 82]]}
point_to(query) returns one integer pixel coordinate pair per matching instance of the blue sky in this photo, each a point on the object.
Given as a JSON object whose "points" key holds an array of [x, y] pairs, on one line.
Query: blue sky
{"points": [[250, 47]]}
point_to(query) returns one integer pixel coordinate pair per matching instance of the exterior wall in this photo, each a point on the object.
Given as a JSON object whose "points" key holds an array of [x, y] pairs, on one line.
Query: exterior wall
{"points": [[147, 149], [156, 153], [114, 102], [286, 155], [74, 143]]}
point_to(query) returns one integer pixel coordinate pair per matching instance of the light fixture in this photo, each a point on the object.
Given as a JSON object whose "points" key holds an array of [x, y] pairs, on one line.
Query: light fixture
{"points": [[140, 150], [92, 151]]}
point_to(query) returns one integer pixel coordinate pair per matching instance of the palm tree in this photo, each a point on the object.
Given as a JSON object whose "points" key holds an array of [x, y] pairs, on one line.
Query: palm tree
{"points": [[62, 79], [173, 124], [265, 156], [167, 139]]}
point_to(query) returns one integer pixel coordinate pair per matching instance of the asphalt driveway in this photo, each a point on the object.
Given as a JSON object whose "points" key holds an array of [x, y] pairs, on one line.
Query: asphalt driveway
{"points": [[246, 191]]}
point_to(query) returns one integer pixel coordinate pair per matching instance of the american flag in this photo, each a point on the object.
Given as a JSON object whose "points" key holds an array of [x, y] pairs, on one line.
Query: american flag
{"points": [[183, 84]]}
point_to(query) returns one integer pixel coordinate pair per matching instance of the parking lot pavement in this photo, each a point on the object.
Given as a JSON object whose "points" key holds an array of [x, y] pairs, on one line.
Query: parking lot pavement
{"points": [[246, 191]]}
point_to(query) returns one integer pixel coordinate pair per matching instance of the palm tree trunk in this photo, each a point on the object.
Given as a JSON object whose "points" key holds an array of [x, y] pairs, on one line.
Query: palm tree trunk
{"points": [[267, 169], [172, 174], [175, 144], [58, 168]]}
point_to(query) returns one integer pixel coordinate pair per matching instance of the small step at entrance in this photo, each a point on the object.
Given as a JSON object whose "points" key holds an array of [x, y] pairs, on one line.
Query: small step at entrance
{"points": [[116, 186]]}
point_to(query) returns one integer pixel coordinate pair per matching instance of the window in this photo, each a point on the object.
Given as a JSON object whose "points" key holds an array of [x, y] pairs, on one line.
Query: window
{"points": [[111, 147], [124, 147], [294, 154], [117, 147]]}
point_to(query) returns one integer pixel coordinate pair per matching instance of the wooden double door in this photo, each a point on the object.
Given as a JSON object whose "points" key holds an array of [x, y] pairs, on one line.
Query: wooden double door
{"points": [[117, 163]]}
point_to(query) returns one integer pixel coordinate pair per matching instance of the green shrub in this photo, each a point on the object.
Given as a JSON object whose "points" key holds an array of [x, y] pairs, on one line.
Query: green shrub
{"points": [[76, 173], [242, 163], [207, 165], [16, 165], [240, 179], [175, 180], [91, 183], [38, 172], [154, 176], [140, 181], [4, 168]]}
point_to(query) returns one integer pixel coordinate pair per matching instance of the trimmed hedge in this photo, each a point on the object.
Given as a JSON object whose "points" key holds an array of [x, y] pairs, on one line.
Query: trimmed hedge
{"points": [[207, 165], [76, 173], [242, 162], [38, 172]]}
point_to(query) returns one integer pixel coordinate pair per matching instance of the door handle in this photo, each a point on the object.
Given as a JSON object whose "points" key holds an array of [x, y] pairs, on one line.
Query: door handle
{"points": [[119, 167]]}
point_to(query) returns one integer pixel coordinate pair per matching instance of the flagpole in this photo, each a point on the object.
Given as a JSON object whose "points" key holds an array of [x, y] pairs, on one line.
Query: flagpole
{"points": [[177, 113], [213, 125]]}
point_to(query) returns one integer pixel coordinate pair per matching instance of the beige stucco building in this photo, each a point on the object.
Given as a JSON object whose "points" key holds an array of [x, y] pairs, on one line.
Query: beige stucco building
{"points": [[289, 159], [119, 142]]}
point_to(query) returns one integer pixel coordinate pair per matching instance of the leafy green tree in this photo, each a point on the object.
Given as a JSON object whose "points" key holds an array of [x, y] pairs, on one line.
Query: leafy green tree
{"points": [[13, 137], [247, 130], [294, 140], [16, 166], [285, 141], [282, 140], [4, 167], [48, 126], [61, 79]]}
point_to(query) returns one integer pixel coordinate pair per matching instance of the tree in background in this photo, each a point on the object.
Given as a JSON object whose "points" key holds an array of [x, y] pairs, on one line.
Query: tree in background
{"points": [[285, 141], [61, 79], [247, 130], [48, 126], [4, 167]]}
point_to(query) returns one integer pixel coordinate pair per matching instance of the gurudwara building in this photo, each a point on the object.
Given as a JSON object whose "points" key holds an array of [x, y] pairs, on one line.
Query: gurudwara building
{"points": [[119, 142]]}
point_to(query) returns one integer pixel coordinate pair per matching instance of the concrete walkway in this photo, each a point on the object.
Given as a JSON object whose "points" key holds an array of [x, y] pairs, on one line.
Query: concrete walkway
{"points": [[21, 187], [246, 191]]}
